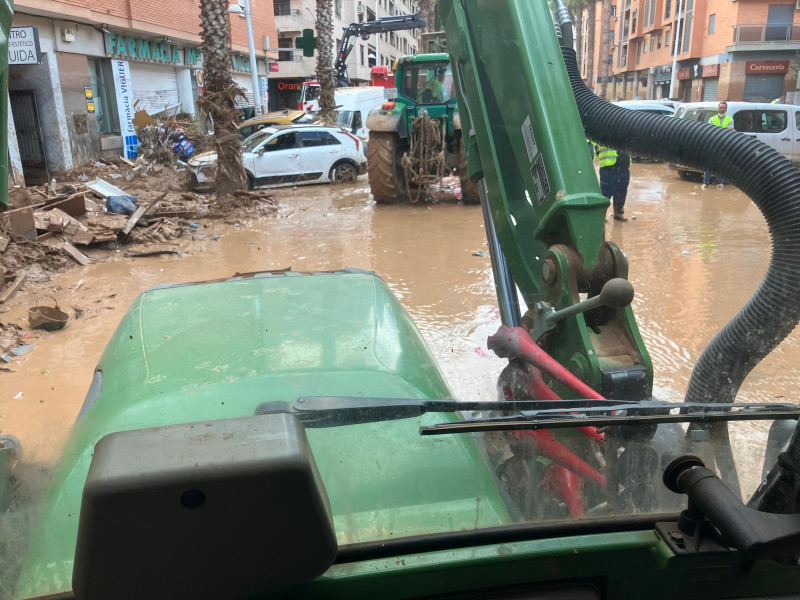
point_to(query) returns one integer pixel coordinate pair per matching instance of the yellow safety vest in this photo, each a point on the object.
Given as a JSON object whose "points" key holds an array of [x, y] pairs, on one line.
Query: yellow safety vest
{"points": [[726, 121], [606, 156]]}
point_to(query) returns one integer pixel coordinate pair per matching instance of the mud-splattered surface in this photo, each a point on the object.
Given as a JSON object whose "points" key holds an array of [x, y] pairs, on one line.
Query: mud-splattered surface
{"points": [[696, 256]]}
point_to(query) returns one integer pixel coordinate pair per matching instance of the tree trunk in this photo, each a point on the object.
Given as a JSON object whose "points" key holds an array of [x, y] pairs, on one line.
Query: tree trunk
{"points": [[325, 70], [591, 15], [218, 103], [604, 52], [579, 20]]}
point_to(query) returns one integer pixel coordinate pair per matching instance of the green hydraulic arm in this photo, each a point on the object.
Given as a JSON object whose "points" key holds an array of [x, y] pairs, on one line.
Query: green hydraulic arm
{"points": [[6, 15], [543, 210]]}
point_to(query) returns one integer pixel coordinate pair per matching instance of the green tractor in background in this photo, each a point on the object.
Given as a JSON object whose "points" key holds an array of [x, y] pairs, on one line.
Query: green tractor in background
{"points": [[415, 139]]}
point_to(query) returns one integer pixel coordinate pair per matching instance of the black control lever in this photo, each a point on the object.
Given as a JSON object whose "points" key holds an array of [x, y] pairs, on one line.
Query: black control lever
{"points": [[714, 511]]}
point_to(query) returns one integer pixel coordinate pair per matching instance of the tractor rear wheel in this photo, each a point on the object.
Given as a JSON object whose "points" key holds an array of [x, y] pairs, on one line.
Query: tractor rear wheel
{"points": [[386, 177], [469, 189]]}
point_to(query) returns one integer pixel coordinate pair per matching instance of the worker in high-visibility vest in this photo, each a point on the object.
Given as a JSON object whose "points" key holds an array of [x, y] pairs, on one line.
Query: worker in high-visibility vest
{"points": [[615, 175], [721, 119], [780, 100]]}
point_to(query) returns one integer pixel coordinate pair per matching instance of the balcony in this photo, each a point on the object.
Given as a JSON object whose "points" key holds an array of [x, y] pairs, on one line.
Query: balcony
{"points": [[765, 37], [290, 17]]}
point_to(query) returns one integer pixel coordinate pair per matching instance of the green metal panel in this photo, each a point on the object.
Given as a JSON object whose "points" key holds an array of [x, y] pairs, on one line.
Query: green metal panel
{"points": [[213, 351], [6, 15], [516, 103]]}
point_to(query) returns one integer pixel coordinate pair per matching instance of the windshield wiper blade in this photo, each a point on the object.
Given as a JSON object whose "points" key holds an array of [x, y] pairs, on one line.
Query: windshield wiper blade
{"points": [[645, 413], [333, 411]]}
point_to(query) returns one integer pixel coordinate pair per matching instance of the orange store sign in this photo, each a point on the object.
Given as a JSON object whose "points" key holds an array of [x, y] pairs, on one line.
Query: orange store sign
{"points": [[765, 67]]}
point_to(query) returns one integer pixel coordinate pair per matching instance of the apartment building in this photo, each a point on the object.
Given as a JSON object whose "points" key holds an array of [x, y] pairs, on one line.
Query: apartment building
{"points": [[726, 49], [80, 69], [292, 68]]}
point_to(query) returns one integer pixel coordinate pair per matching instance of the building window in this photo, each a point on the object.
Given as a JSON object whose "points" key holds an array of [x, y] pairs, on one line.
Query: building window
{"points": [[105, 98], [362, 55], [653, 42], [712, 21], [337, 6], [370, 15], [658, 41], [285, 43], [281, 8], [667, 34], [638, 52], [667, 9], [633, 22]]}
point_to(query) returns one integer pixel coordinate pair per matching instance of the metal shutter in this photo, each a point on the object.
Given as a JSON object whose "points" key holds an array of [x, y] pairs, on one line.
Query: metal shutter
{"points": [[154, 86], [710, 85], [762, 88], [245, 82]]}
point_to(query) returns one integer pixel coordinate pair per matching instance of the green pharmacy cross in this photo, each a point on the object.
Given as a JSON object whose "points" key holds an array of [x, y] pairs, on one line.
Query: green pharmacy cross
{"points": [[307, 42]]}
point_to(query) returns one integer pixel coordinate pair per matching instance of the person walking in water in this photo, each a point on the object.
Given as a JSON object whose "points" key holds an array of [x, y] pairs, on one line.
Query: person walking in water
{"points": [[615, 175], [721, 119]]}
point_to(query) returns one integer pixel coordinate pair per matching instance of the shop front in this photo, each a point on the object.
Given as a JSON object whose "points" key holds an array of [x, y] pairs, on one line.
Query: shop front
{"points": [[661, 80], [710, 76], [285, 93], [764, 80]]}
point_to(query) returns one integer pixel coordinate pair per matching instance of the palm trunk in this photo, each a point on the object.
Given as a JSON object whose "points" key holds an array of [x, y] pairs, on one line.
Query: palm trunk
{"points": [[218, 103], [590, 18], [325, 71], [604, 53]]}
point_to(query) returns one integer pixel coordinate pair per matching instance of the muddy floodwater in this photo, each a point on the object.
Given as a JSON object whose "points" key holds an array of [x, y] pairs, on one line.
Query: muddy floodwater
{"points": [[696, 256]]}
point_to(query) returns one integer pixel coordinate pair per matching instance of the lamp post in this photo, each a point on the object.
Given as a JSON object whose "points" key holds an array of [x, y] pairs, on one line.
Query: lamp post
{"points": [[236, 9]]}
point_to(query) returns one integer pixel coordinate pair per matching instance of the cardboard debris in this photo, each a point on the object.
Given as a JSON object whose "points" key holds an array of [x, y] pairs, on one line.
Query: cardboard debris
{"points": [[74, 204], [19, 198], [62, 244], [4, 240], [104, 189], [58, 221], [19, 222], [142, 119]]}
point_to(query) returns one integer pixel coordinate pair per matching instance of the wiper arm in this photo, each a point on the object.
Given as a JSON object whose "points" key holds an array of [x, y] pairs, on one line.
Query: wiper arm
{"points": [[334, 411], [642, 413]]}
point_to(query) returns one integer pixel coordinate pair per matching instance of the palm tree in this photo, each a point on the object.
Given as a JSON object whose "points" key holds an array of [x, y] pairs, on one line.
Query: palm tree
{"points": [[218, 103], [591, 15], [604, 51], [325, 70]]}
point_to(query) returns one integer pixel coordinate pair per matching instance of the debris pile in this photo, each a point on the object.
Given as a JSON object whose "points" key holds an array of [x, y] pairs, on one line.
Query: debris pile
{"points": [[51, 228]]}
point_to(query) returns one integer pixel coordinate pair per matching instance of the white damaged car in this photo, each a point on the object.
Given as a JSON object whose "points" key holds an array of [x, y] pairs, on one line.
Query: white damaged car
{"points": [[289, 155]]}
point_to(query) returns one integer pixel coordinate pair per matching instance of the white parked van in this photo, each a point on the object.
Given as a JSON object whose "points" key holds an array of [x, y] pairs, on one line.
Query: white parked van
{"points": [[777, 125], [353, 105]]}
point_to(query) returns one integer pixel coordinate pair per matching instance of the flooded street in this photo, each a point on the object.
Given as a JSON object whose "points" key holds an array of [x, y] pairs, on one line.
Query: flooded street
{"points": [[695, 258]]}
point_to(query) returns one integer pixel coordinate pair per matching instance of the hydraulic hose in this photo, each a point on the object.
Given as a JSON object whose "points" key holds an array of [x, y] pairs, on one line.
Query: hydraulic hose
{"points": [[771, 182], [565, 24]]}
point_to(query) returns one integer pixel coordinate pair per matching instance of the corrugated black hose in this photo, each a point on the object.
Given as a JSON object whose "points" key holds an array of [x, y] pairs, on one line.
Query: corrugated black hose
{"points": [[771, 182]]}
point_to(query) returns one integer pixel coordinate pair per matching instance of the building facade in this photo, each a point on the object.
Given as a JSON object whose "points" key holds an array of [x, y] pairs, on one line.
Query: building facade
{"points": [[98, 62], [726, 49], [292, 68]]}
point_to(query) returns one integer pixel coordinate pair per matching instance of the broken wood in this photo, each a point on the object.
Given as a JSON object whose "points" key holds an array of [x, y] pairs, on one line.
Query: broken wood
{"points": [[19, 222], [138, 214], [10, 287], [79, 256], [151, 253], [127, 161], [4, 240]]}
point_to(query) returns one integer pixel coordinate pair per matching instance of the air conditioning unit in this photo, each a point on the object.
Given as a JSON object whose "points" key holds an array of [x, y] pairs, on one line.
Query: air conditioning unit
{"points": [[797, 5]]}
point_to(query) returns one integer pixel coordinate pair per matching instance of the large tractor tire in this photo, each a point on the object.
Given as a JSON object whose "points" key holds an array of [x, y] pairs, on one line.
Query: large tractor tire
{"points": [[386, 177], [469, 189]]}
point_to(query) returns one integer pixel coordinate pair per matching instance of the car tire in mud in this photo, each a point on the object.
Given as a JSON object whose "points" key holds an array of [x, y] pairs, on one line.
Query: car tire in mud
{"points": [[386, 177], [343, 172], [251, 183], [469, 189]]}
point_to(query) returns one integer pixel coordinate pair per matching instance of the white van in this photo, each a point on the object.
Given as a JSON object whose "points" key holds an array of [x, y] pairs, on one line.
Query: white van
{"points": [[353, 105], [777, 125]]}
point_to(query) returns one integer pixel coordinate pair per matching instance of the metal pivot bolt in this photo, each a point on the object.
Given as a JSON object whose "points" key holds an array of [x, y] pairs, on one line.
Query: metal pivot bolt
{"points": [[548, 270]]}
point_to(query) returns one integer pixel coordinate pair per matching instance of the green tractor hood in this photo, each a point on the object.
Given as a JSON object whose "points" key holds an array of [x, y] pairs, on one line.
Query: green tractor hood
{"points": [[218, 350]]}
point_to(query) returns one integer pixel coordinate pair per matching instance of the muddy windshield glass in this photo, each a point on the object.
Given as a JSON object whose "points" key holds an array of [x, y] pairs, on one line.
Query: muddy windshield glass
{"points": [[428, 83]]}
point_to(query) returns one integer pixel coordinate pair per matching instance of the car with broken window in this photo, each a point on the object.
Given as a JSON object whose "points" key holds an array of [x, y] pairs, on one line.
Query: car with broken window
{"points": [[289, 155]]}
